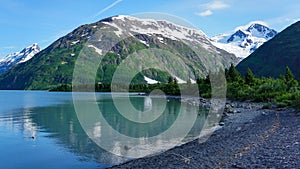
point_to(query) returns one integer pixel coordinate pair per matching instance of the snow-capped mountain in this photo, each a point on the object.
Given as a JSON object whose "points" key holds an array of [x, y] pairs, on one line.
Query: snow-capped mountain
{"points": [[244, 39], [152, 32], [154, 27], [18, 57], [156, 42]]}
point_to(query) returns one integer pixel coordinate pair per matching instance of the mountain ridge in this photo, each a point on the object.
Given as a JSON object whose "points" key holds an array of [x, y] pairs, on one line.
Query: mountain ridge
{"points": [[244, 40], [13, 59]]}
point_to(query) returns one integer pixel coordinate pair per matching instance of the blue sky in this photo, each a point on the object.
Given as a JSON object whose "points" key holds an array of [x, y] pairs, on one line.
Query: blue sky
{"points": [[23, 22]]}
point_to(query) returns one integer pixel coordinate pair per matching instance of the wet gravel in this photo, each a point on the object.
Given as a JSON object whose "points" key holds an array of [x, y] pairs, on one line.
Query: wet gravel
{"points": [[252, 138]]}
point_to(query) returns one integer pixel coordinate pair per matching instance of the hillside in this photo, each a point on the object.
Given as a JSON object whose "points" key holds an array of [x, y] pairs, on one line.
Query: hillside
{"points": [[271, 59], [54, 65]]}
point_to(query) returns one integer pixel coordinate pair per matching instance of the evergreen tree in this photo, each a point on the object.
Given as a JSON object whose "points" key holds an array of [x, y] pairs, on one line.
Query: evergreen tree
{"points": [[289, 76], [232, 74], [175, 81], [207, 79], [170, 80], [249, 77], [226, 73], [198, 80], [281, 77]]}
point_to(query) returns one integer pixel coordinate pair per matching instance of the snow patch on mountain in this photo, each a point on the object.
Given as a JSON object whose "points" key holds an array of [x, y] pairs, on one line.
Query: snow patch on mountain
{"points": [[99, 51], [18, 57], [244, 39], [154, 27], [150, 81], [144, 42], [161, 39], [193, 81], [236, 50], [75, 42], [179, 81]]}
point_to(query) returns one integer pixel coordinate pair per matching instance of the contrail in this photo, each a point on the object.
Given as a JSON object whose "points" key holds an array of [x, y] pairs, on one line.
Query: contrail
{"points": [[107, 8]]}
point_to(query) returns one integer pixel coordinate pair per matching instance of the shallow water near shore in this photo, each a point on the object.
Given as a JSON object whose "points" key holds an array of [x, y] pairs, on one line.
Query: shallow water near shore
{"points": [[40, 129]]}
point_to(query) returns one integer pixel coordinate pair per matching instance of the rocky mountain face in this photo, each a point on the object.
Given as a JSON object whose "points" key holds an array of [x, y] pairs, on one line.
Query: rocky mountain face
{"points": [[271, 59], [54, 65], [19, 57], [245, 39]]}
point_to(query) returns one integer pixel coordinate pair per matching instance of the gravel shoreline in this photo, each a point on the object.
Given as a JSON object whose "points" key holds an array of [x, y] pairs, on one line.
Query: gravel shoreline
{"points": [[251, 138]]}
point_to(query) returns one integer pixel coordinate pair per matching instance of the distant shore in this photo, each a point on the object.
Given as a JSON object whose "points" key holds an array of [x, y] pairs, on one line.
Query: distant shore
{"points": [[252, 137]]}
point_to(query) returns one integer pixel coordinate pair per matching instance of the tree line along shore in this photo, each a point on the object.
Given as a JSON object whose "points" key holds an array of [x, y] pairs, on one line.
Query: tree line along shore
{"points": [[282, 91]]}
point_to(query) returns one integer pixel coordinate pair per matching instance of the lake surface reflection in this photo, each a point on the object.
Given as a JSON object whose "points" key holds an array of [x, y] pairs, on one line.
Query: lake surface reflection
{"points": [[41, 129]]}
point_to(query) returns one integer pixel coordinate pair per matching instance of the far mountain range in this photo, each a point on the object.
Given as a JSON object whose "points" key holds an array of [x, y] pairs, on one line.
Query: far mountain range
{"points": [[35, 69], [241, 42]]}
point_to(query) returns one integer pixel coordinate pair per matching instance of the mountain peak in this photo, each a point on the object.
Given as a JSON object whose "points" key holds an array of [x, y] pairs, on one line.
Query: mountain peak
{"points": [[134, 25], [285, 49], [251, 24], [18, 57], [245, 39]]}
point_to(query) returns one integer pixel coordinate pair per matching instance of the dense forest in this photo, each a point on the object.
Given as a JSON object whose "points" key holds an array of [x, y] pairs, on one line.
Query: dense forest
{"points": [[283, 91]]}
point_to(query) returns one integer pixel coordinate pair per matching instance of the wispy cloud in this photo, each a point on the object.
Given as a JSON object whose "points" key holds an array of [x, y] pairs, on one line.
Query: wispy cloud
{"points": [[51, 39], [107, 8], [212, 6], [205, 13], [281, 23], [283, 20]]}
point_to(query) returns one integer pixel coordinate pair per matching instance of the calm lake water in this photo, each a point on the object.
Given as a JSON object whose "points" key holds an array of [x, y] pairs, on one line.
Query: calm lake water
{"points": [[41, 129]]}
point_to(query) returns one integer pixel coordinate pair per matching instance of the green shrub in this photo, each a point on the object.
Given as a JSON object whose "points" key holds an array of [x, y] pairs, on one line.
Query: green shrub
{"points": [[284, 103], [296, 104], [272, 86], [284, 96], [246, 93], [267, 106], [62, 87]]}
